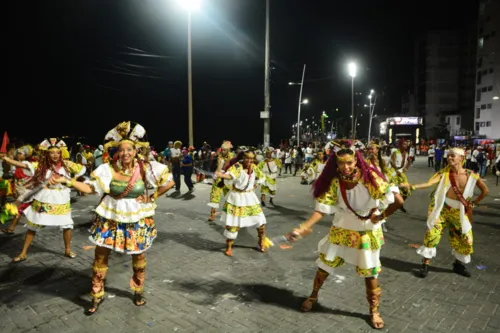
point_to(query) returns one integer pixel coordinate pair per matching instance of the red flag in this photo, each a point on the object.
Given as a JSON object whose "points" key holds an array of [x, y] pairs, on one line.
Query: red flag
{"points": [[5, 142]]}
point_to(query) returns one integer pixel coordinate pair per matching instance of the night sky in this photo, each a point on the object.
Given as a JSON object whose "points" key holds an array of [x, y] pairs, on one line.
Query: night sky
{"points": [[83, 66]]}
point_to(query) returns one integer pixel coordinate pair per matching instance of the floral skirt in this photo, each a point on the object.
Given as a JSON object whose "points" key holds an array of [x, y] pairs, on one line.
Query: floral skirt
{"points": [[128, 238]]}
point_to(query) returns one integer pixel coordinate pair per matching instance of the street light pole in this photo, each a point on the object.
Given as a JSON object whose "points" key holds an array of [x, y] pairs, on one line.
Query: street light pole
{"points": [[352, 73], [190, 85], [267, 94], [372, 109], [300, 104]]}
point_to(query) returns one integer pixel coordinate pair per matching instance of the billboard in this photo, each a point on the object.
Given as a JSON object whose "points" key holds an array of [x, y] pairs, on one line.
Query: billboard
{"points": [[392, 121]]}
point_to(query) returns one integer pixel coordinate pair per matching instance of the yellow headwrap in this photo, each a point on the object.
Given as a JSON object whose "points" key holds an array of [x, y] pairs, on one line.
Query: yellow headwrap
{"points": [[121, 133]]}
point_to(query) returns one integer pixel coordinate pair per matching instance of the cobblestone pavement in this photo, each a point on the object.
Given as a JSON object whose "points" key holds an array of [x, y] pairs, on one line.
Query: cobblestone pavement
{"points": [[192, 287]]}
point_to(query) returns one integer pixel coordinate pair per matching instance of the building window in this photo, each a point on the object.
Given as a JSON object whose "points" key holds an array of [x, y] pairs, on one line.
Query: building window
{"points": [[483, 106], [478, 95], [480, 43], [491, 70], [479, 77], [477, 126], [485, 71], [488, 124], [447, 120], [482, 124], [478, 113], [484, 89], [458, 120], [490, 88], [489, 106], [479, 62]]}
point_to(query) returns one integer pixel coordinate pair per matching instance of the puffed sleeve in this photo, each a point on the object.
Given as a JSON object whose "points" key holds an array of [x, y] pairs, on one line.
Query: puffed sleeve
{"points": [[76, 169], [101, 179], [382, 191], [326, 203], [260, 177], [278, 163], [234, 171], [32, 166], [158, 175]]}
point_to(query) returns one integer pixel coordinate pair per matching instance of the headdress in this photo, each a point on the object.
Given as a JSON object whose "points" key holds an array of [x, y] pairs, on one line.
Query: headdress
{"points": [[226, 145], [177, 144], [457, 151], [121, 133], [374, 144], [269, 150], [52, 143], [27, 150]]}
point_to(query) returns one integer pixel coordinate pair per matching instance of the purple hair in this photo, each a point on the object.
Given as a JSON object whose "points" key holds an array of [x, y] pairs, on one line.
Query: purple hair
{"points": [[322, 184]]}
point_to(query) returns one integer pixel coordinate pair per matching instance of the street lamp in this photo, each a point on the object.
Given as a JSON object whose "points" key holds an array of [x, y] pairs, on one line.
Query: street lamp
{"points": [[190, 6], [305, 101], [372, 109], [352, 73]]}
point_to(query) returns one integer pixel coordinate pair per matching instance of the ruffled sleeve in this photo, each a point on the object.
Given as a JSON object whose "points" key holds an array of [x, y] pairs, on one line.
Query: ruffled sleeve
{"points": [[101, 179], [235, 171], [326, 203], [260, 177], [158, 175], [76, 169], [32, 166]]}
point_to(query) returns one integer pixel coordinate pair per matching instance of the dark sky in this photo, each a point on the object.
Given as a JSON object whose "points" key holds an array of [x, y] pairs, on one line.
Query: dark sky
{"points": [[83, 66]]}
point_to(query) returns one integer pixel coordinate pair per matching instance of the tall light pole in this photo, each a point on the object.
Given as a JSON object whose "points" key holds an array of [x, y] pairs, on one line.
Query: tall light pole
{"points": [[190, 6], [266, 115], [352, 73], [300, 102], [372, 109]]}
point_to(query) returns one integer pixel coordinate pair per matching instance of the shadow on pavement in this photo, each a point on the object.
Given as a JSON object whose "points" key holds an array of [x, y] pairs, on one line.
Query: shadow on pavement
{"points": [[262, 293], [410, 267], [192, 240], [491, 225], [288, 212]]}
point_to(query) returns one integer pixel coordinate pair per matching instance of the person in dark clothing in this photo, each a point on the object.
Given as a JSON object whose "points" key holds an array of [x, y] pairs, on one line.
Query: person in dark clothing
{"points": [[175, 156], [438, 159], [187, 169]]}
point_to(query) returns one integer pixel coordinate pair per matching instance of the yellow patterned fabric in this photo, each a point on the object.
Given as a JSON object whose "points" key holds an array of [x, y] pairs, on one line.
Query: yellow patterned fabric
{"points": [[216, 193], [363, 272], [164, 177], [266, 190], [74, 168], [329, 198], [400, 178], [52, 209], [379, 191], [361, 240], [244, 211], [5, 187], [449, 217], [259, 175]]}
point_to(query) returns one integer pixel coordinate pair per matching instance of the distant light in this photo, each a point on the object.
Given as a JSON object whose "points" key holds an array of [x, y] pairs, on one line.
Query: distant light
{"points": [[190, 5], [496, 97], [352, 69], [306, 101], [372, 91], [291, 83]]}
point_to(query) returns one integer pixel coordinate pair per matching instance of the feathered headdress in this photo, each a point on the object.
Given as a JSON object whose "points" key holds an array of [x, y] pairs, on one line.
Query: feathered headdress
{"points": [[52, 143], [269, 150], [344, 144], [177, 144], [27, 150], [123, 133]]}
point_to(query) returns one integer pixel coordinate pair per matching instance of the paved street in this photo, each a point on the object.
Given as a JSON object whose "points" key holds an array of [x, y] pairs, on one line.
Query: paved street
{"points": [[192, 287]]}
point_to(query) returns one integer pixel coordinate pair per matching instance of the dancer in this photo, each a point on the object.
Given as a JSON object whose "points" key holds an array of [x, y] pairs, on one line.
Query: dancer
{"points": [[376, 161], [401, 162], [313, 170], [353, 192], [242, 208], [218, 187], [51, 205], [271, 167], [451, 206], [19, 184], [175, 161], [124, 217]]}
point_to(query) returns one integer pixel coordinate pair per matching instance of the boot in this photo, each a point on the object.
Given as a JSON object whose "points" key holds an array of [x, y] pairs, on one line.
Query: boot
{"points": [[373, 297], [424, 270], [460, 269], [261, 233], [263, 200], [211, 218], [319, 279], [229, 247]]}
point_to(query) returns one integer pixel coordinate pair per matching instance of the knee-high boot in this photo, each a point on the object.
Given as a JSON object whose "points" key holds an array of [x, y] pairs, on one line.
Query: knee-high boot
{"points": [[261, 233], [98, 281], [373, 297], [319, 279]]}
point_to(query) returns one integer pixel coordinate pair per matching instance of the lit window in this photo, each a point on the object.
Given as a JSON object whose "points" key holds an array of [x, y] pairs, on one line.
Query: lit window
{"points": [[480, 43]]}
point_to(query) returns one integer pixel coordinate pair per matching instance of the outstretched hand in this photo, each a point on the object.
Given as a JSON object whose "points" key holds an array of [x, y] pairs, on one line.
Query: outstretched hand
{"points": [[55, 179]]}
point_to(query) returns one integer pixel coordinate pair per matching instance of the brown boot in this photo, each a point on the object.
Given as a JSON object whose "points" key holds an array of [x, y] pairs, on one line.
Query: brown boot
{"points": [[373, 297], [319, 279], [229, 247], [261, 233], [212, 215]]}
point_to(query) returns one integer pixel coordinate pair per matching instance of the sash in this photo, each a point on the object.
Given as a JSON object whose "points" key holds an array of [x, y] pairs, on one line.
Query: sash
{"points": [[460, 196], [344, 197]]}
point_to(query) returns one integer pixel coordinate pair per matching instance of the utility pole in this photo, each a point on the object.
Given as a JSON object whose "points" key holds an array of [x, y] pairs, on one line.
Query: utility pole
{"points": [[266, 115]]}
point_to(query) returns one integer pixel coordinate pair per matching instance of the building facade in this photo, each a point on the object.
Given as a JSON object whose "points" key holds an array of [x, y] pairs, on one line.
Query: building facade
{"points": [[487, 102]]}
